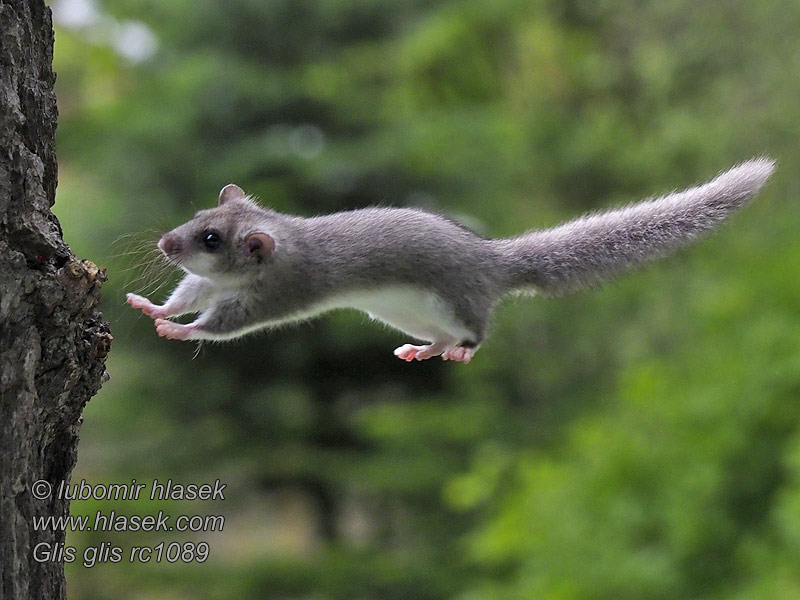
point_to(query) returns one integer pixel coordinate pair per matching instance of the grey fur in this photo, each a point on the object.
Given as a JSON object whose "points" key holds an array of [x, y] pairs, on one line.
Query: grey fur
{"points": [[596, 247], [321, 259]]}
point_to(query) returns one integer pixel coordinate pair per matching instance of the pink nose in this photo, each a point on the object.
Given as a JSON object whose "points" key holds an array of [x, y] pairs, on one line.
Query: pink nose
{"points": [[169, 244]]}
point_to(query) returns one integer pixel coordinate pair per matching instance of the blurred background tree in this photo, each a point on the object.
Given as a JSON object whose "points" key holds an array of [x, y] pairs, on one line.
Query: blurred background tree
{"points": [[637, 441]]}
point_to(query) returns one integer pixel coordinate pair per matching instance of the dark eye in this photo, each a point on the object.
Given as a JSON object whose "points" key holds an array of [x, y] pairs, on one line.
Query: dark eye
{"points": [[211, 239]]}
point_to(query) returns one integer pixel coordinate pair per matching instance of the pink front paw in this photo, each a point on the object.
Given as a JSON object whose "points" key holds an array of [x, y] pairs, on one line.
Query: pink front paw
{"points": [[174, 331], [151, 310]]}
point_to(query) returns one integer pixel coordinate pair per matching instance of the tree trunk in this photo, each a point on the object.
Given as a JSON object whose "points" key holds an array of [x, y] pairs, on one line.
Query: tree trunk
{"points": [[53, 341]]}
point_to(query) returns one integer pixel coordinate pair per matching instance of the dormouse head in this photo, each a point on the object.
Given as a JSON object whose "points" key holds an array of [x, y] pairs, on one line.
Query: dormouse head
{"points": [[226, 242]]}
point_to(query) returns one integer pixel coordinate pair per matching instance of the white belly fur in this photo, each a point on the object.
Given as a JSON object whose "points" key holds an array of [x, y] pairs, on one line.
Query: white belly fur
{"points": [[415, 311]]}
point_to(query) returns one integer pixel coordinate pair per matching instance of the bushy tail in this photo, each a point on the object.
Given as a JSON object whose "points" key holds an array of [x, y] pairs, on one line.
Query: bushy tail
{"points": [[596, 247]]}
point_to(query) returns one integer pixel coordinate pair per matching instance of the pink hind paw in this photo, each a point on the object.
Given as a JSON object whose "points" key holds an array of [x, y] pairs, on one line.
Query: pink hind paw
{"points": [[459, 354], [409, 352]]}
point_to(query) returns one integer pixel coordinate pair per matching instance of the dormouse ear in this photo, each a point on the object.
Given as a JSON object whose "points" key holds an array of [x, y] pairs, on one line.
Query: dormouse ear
{"points": [[259, 244], [230, 192]]}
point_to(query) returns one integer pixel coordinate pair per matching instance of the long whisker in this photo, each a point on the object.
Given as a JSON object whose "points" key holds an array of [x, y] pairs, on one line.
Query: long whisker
{"points": [[142, 261]]}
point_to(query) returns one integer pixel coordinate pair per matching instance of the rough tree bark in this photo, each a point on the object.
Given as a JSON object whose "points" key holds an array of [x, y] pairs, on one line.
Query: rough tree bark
{"points": [[53, 341]]}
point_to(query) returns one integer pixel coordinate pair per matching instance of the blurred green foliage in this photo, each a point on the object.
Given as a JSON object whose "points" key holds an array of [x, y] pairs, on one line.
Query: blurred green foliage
{"points": [[637, 441]]}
